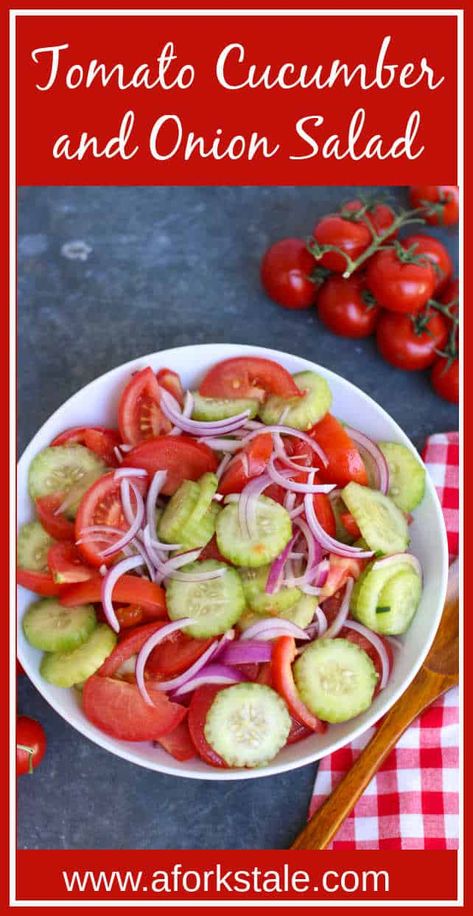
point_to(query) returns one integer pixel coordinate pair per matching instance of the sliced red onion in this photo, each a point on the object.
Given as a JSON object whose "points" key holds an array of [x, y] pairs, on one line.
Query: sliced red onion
{"points": [[321, 573], [141, 550], [222, 466], [212, 674], [125, 447], [108, 583], [103, 569], [246, 653], [277, 567], [343, 611], [118, 454], [396, 643], [314, 556], [129, 472], [245, 463], [136, 522], [147, 648], [318, 626], [325, 540], [175, 682], [247, 502], [168, 569], [313, 590], [294, 433], [294, 513], [172, 411], [156, 486], [186, 412], [290, 501], [382, 468], [92, 533], [377, 644], [158, 545], [271, 628], [221, 445], [283, 479], [395, 558]]}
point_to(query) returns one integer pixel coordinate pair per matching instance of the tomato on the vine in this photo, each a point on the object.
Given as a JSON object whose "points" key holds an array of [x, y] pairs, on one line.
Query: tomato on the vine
{"points": [[437, 253], [411, 341], [439, 202], [348, 233], [380, 216], [450, 296], [30, 745], [287, 271], [445, 378], [347, 307], [400, 280]]}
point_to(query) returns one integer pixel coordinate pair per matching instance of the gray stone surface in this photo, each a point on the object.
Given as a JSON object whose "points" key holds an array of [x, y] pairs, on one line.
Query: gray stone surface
{"points": [[152, 268]]}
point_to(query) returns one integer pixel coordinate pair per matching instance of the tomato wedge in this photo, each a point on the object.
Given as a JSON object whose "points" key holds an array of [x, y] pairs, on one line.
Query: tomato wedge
{"points": [[128, 645], [350, 525], [183, 458], [248, 377], [139, 414], [99, 439], [175, 654], [66, 564], [178, 743], [132, 615], [359, 640], [211, 552], [118, 709], [101, 504], [284, 653], [248, 463], [58, 526], [298, 732], [341, 569], [302, 453], [42, 582], [128, 590], [344, 460], [171, 382], [201, 702]]}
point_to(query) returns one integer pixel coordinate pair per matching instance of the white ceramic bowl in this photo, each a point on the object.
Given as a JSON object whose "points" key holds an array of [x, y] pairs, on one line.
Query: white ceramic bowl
{"points": [[97, 404]]}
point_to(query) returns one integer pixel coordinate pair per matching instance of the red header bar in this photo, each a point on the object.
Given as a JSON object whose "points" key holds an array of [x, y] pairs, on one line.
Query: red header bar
{"points": [[236, 100]]}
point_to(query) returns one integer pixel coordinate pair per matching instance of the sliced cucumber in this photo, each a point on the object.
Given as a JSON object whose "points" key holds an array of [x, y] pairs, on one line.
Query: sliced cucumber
{"points": [[302, 612], [64, 669], [385, 599], [59, 468], [178, 511], [301, 413], [219, 409], [247, 619], [254, 584], [32, 548], [190, 515], [49, 626], [247, 725], [272, 531], [215, 603], [406, 475], [382, 524], [336, 679]]}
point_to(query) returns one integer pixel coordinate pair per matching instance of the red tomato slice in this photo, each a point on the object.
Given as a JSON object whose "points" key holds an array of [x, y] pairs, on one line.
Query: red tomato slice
{"points": [[139, 414], [367, 647], [298, 732], [132, 615], [99, 439], [248, 463], [58, 526], [248, 377], [284, 653], [178, 743], [66, 565], [344, 460], [177, 653], [128, 590], [42, 583], [302, 453], [117, 708], [201, 702], [211, 552], [350, 524], [171, 382], [101, 505], [183, 458], [341, 569], [128, 645]]}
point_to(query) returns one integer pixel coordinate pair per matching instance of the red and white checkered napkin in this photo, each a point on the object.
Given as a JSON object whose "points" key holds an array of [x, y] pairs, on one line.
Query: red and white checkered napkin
{"points": [[412, 802]]}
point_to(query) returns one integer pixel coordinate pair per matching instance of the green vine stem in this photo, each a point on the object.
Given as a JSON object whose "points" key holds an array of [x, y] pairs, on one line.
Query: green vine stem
{"points": [[30, 752]]}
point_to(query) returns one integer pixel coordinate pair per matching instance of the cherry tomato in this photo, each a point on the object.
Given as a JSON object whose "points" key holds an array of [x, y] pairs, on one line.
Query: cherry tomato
{"points": [[346, 307], [175, 654], [248, 463], [117, 708], [58, 526], [128, 645], [400, 281], [101, 504], [178, 743], [344, 460], [359, 640], [286, 272], [248, 377], [171, 382], [128, 590], [202, 699], [445, 379], [139, 412], [66, 563], [411, 341], [284, 653], [99, 439], [440, 203], [379, 215], [437, 253], [450, 296], [41, 582], [30, 745], [19, 667], [350, 235], [183, 458]]}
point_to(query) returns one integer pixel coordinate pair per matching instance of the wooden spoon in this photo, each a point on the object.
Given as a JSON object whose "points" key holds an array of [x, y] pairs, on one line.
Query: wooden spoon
{"points": [[438, 673]]}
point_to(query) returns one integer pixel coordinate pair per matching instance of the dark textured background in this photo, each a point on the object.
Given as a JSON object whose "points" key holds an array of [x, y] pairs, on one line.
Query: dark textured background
{"points": [[164, 267]]}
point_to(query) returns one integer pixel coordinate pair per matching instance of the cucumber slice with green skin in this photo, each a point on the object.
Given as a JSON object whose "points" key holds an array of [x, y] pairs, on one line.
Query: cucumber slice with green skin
{"points": [[247, 725], [301, 413], [272, 531], [33, 544], [302, 612], [397, 587], [209, 409], [382, 525], [59, 468], [406, 476], [49, 626], [216, 604], [254, 583], [65, 669], [336, 679], [178, 511], [190, 515]]}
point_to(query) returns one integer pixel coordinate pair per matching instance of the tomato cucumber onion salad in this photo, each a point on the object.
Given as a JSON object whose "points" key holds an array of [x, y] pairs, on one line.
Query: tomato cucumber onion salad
{"points": [[223, 573]]}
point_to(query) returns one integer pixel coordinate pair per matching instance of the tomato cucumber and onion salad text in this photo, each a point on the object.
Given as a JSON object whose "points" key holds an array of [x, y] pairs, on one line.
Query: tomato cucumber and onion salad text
{"points": [[227, 571]]}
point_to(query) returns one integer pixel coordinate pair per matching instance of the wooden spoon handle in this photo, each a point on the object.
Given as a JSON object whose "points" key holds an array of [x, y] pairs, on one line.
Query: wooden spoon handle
{"points": [[321, 829]]}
